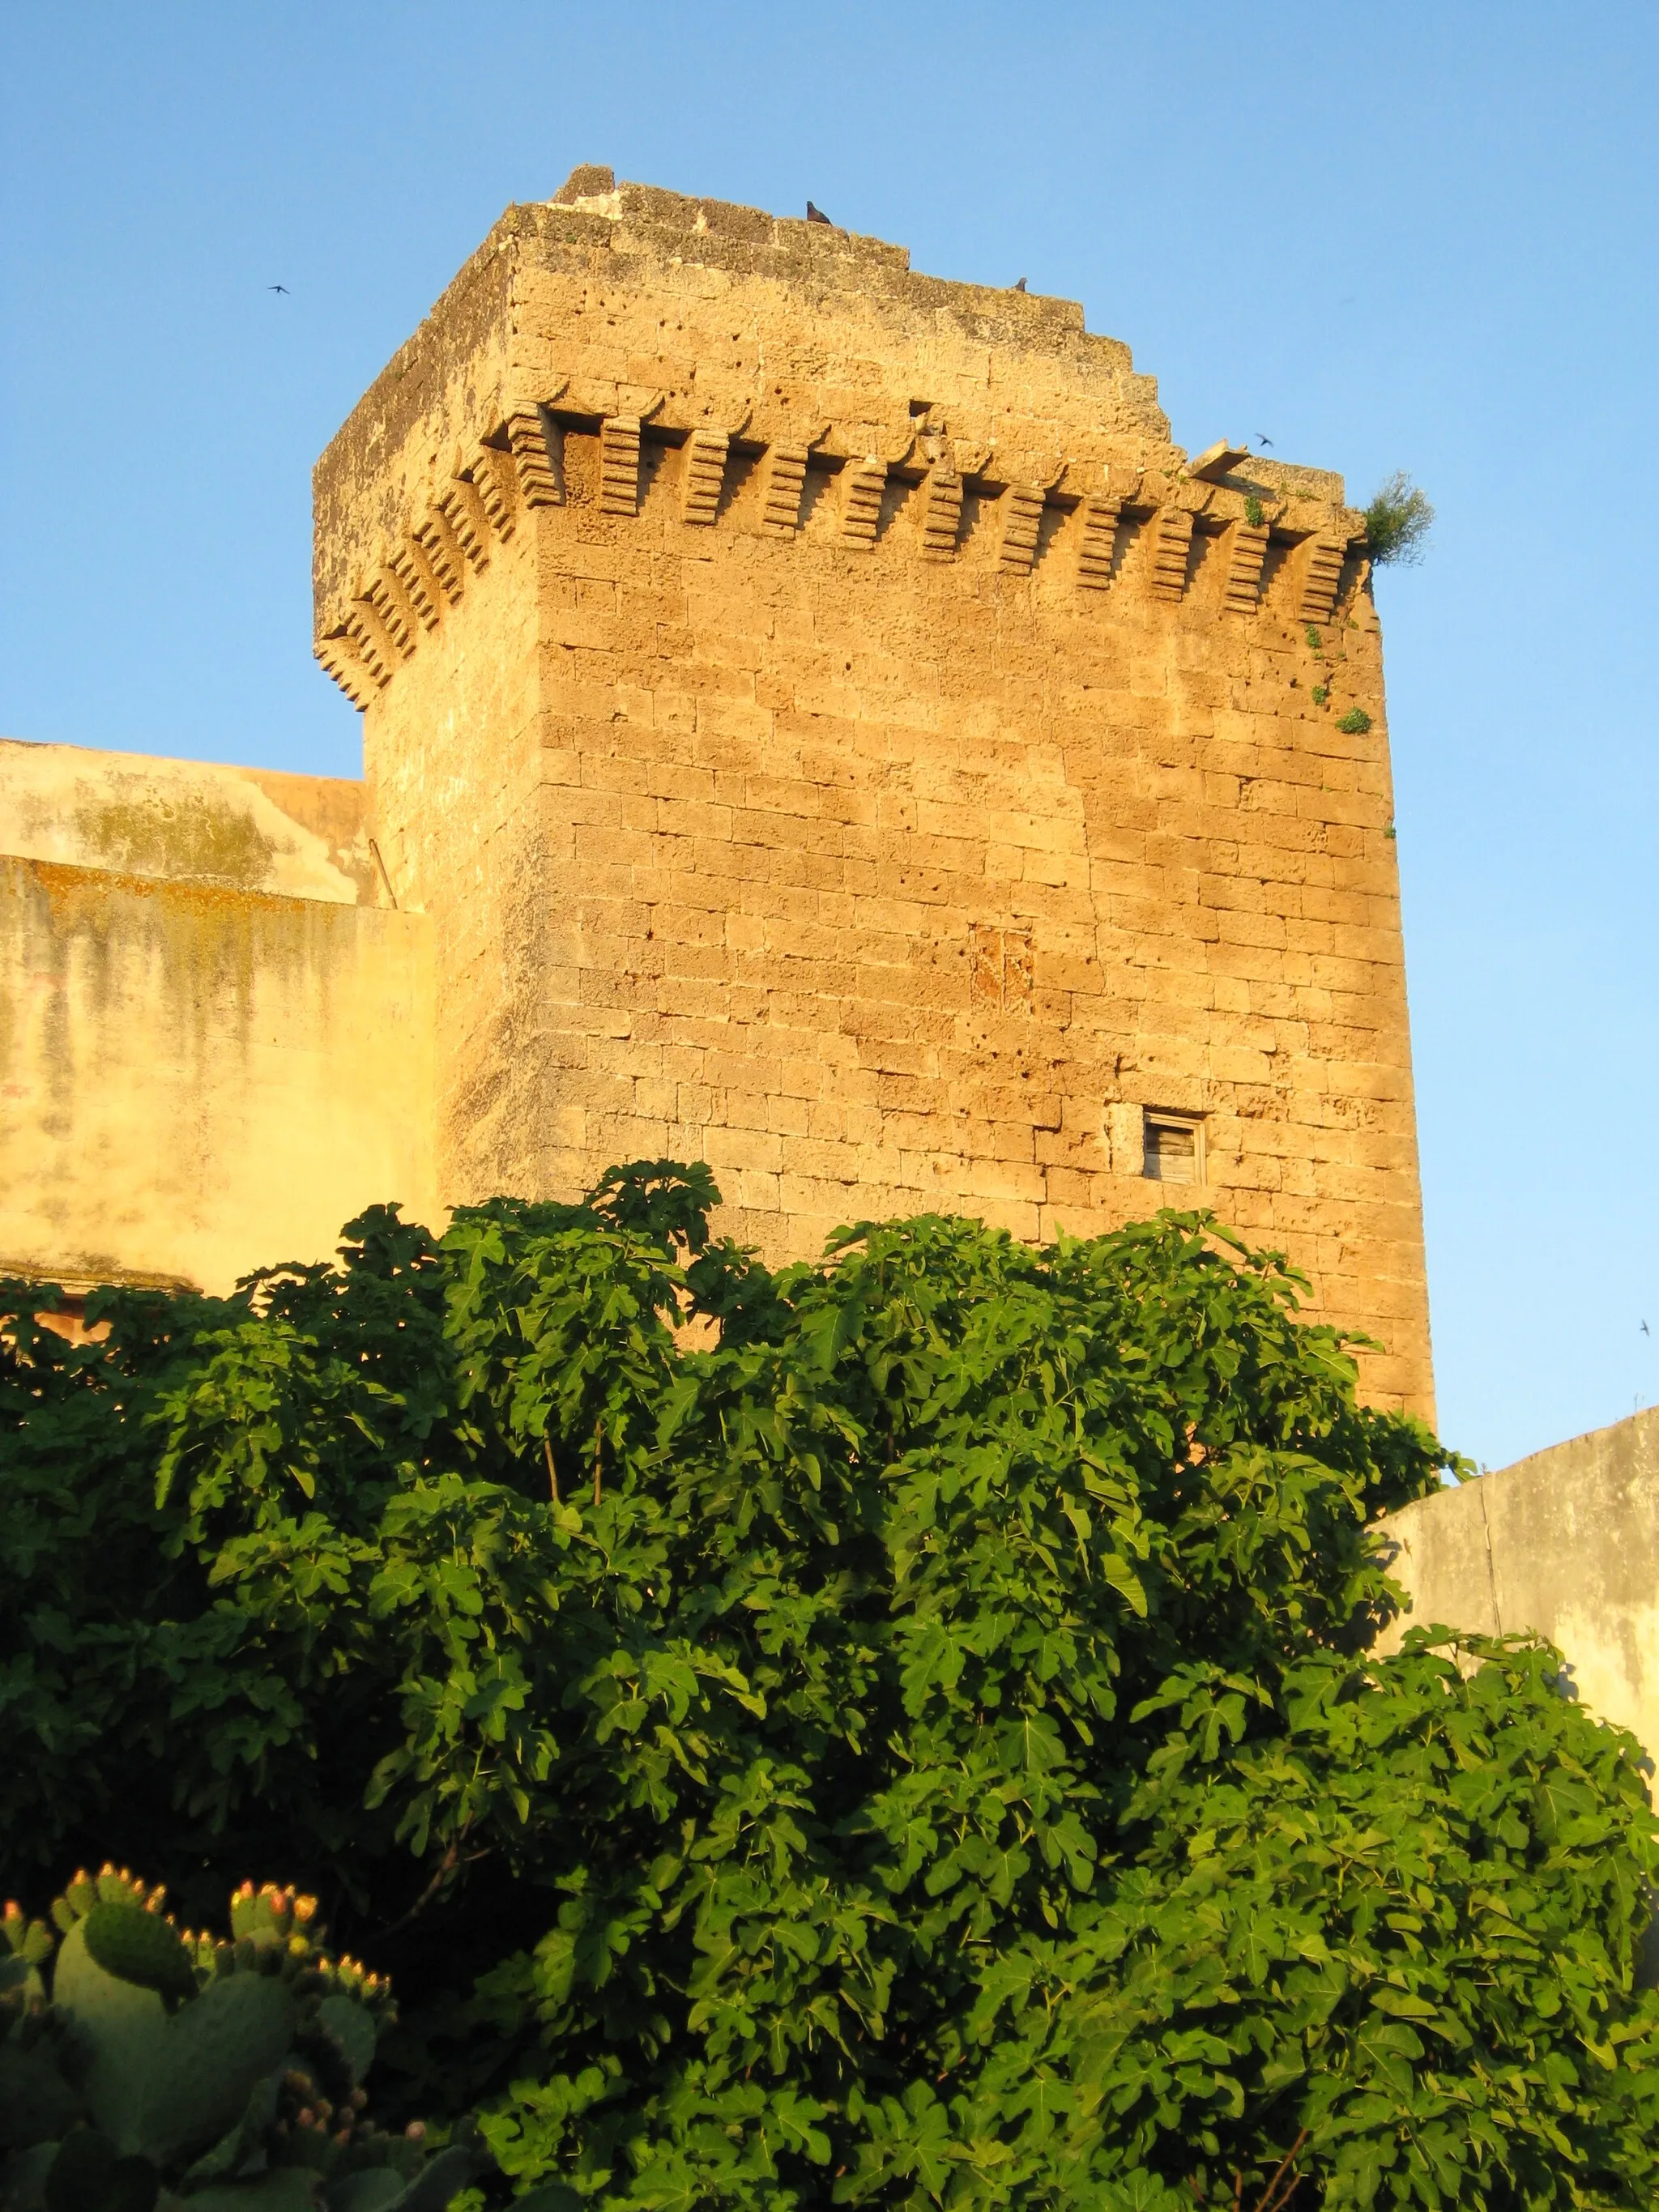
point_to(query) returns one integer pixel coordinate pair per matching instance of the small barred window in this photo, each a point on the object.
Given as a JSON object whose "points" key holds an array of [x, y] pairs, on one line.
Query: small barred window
{"points": [[1173, 1148]]}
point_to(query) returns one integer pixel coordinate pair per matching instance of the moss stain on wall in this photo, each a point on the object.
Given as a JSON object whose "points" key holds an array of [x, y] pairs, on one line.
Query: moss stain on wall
{"points": [[197, 1077], [192, 836]]}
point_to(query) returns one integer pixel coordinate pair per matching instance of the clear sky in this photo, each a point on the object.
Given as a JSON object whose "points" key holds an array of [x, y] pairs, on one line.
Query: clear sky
{"points": [[1405, 235]]}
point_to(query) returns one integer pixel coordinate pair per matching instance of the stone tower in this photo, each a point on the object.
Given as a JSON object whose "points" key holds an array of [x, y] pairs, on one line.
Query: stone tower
{"points": [[833, 732]]}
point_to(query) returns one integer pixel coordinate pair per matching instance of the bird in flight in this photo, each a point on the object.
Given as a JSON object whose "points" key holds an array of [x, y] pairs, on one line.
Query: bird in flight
{"points": [[817, 214], [1020, 284], [1260, 441], [1646, 1331], [278, 287]]}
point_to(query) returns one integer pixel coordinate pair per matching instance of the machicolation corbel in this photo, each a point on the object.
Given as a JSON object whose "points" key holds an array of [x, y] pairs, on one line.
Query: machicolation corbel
{"points": [[374, 648], [1171, 544], [533, 439], [863, 483], [462, 508], [706, 453], [441, 547], [493, 479], [1100, 515], [1022, 521], [619, 464], [941, 514], [1321, 560], [1247, 554], [421, 587], [386, 598], [518, 466], [782, 486]]}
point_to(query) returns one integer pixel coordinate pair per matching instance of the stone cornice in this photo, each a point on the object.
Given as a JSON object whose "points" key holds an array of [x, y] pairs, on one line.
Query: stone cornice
{"points": [[707, 321], [1135, 536]]}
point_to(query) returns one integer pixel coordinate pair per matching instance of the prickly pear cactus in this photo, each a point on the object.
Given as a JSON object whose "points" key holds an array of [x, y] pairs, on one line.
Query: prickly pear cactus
{"points": [[144, 2068]]}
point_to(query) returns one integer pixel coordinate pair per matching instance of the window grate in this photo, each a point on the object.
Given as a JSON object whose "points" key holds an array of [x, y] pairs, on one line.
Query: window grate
{"points": [[1173, 1148]]}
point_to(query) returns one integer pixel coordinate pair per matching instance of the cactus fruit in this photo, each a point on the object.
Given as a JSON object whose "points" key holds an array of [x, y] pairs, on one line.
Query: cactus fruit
{"points": [[23, 1938], [142, 2064], [25, 1946], [110, 1885], [270, 1915]]}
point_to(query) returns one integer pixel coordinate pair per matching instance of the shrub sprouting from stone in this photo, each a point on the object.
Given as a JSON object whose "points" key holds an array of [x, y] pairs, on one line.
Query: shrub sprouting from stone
{"points": [[1398, 522]]}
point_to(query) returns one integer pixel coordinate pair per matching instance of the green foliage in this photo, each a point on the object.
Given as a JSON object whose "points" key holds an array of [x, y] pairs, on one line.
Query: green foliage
{"points": [[139, 2064], [1321, 692], [1254, 513], [1398, 522], [906, 1739], [1355, 722]]}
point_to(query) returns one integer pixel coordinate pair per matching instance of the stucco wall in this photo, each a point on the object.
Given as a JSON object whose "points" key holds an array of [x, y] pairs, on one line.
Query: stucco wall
{"points": [[196, 1080], [254, 829], [1566, 1543]]}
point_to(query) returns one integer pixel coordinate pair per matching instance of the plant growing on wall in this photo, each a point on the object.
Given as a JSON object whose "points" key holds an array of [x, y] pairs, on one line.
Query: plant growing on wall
{"points": [[907, 1741], [1398, 522]]}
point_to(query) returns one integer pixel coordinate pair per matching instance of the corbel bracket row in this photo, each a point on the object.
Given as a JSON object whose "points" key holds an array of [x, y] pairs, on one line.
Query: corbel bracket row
{"points": [[519, 467]]}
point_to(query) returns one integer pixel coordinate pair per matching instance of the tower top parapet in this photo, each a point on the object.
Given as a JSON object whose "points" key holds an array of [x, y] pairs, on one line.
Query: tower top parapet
{"points": [[623, 300]]}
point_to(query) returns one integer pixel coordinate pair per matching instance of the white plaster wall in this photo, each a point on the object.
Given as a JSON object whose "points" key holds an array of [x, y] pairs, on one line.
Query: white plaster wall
{"points": [[1565, 1544]]}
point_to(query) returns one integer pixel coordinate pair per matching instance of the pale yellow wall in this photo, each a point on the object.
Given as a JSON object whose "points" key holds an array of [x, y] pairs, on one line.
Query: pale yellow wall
{"points": [[196, 1080], [1562, 1543], [195, 821]]}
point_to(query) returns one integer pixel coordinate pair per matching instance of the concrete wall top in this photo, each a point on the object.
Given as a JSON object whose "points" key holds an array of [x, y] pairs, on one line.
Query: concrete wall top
{"points": [[1563, 1544], [253, 829]]}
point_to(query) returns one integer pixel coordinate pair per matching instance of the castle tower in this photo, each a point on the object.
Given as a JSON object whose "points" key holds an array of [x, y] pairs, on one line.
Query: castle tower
{"points": [[833, 732]]}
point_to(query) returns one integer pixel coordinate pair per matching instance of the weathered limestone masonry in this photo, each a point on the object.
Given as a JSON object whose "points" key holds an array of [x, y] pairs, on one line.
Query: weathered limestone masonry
{"points": [[835, 732]]}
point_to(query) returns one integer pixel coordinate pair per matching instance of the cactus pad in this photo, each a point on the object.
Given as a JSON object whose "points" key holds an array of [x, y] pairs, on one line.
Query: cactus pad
{"points": [[36, 2103], [140, 1947], [144, 2067], [210, 2058], [350, 2027], [87, 2176], [79, 2174]]}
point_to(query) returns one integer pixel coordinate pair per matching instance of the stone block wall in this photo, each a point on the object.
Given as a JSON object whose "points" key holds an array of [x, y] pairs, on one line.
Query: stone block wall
{"points": [[835, 732]]}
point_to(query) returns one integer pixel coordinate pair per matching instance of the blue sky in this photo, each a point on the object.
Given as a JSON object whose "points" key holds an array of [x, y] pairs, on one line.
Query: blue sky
{"points": [[1415, 236]]}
